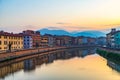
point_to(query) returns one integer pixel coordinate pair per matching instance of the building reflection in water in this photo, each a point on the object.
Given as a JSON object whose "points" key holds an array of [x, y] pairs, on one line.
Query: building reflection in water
{"points": [[9, 69], [30, 64]]}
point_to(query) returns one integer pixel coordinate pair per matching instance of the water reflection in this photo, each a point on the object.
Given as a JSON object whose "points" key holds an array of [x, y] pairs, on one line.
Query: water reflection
{"points": [[9, 69], [114, 65], [30, 64]]}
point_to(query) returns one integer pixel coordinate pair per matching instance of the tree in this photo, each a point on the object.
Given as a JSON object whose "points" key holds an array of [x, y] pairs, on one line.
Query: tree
{"points": [[9, 47]]}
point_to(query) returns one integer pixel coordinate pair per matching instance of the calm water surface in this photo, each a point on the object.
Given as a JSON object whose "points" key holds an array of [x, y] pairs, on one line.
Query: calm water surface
{"points": [[73, 64]]}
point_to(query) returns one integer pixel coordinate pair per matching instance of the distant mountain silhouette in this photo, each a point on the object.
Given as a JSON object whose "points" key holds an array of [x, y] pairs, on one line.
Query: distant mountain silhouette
{"points": [[90, 33], [53, 32], [63, 32]]}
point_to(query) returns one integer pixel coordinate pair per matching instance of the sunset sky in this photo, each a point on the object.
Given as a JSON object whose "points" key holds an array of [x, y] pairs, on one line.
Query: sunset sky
{"points": [[71, 15]]}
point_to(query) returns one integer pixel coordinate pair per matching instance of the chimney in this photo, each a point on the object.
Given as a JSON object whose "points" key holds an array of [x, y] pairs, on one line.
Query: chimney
{"points": [[113, 30]]}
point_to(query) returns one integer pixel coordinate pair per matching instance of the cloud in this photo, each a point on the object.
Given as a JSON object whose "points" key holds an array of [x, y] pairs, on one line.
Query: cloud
{"points": [[112, 25], [18, 29], [54, 28], [72, 28], [62, 23], [30, 27], [79, 27], [11, 29]]}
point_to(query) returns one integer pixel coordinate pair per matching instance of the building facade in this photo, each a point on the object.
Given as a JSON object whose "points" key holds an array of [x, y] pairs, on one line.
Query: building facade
{"points": [[92, 41], [28, 41], [101, 41], [44, 41], [32, 39], [10, 41], [64, 40], [117, 40], [113, 39], [81, 40], [47, 40]]}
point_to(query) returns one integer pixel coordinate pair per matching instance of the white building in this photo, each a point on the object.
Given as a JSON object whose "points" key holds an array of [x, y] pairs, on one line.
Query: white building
{"points": [[28, 42]]}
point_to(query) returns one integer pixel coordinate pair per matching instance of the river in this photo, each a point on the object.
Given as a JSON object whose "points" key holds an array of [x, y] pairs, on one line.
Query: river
{"points": [[71, 64]]}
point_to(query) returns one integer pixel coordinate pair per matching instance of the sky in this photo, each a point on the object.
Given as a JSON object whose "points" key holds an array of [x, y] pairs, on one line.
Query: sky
{"points": [[71, 15]]}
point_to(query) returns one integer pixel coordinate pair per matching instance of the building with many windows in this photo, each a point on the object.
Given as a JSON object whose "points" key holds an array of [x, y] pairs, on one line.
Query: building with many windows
{"points": [[101, 41], [32, 39], [47, 40], [10, 41], [28, 41], [81, 40], [64, 40], [113, 39]]}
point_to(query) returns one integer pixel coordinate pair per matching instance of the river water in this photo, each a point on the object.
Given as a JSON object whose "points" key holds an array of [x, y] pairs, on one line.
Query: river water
{"points": [[72, 64]]}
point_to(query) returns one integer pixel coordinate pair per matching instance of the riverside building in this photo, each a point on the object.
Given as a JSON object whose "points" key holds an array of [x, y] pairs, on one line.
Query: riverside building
{"points": [[113, 39], [10, 41], [32, 39]]}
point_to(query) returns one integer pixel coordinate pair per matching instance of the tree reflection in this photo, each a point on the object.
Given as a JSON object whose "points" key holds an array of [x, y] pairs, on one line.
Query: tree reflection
{"points": [[113, 65]]}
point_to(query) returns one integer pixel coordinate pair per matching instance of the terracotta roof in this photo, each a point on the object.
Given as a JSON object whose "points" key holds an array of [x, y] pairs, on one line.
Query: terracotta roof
{"points": [[2, 33], [25, 34]]}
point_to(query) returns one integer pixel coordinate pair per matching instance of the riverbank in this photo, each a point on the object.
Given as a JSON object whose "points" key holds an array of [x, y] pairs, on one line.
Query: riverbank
{"points": [[110, 55], [30, 52], [18, 54]]}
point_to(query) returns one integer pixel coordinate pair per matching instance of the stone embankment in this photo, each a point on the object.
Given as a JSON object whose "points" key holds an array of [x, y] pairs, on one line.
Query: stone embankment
{"points": [[23, 53], [18, 54]]}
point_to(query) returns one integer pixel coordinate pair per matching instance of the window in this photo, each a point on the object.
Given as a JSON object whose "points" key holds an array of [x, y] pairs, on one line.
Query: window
{"points": [[5, 47], [0, 42], [5, 42], [5, 37], [14, 42]]}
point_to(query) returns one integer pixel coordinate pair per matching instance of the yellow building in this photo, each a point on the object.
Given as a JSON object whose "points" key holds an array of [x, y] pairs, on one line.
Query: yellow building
{"points": [[10, 41], [5, 70]]}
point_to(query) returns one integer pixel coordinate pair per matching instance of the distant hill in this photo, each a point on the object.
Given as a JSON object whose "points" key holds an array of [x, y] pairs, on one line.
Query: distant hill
{"points": [[90, 33], [63, 32], [53, 32]]}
